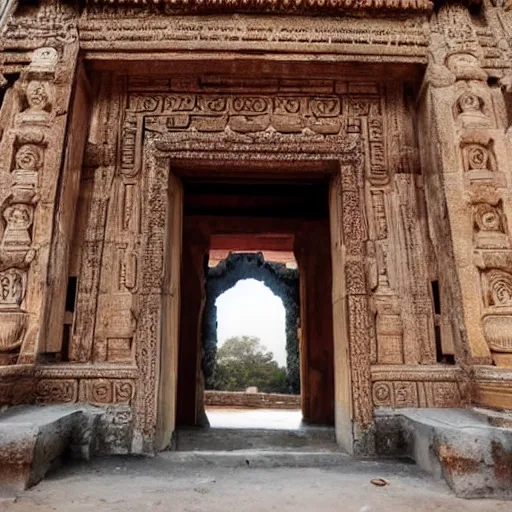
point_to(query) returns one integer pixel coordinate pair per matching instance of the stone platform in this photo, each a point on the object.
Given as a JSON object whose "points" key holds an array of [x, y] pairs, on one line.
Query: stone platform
{"points": [[33, 439], [241, 446], [270, 458], [470, 448]]}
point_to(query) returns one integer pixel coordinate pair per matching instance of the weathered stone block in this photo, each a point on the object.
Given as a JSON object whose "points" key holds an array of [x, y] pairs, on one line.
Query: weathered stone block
{"points": [[33, 438], [460, 445]]}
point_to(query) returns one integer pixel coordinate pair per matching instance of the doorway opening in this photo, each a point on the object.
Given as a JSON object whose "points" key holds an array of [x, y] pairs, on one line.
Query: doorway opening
{"points": [[277, 233], [251, 354]]}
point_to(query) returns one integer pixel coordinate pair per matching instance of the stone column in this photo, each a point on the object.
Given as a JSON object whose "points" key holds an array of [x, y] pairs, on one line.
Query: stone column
{"points": [[469, 195], [32, 150]]}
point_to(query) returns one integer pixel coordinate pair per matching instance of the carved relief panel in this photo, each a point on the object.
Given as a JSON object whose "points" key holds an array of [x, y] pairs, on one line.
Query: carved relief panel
{"points": [[474, 163], [397, 249], [23, 146]]}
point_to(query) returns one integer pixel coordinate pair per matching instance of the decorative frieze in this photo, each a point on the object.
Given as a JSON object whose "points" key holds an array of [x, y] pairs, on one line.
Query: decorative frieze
{"points": [[314, 6], [416, 385], [385, 39], [104, 391], [99, 391], [62, 391], [398, 394]]}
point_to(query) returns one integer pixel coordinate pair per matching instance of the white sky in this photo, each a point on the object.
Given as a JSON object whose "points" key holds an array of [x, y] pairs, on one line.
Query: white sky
{"points": [[251, 309]]}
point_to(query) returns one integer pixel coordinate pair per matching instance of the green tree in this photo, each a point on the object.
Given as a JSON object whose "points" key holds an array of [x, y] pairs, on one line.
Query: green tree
{"points": [[243, 361]]}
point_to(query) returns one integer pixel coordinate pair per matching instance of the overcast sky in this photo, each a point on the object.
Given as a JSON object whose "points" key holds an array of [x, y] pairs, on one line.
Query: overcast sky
{"points": [[251, 309]]}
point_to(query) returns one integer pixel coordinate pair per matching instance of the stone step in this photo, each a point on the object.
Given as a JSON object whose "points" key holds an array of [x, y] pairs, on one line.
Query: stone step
{"points": [[462, 445], [258, 458], [34, 438], [309, 439]]}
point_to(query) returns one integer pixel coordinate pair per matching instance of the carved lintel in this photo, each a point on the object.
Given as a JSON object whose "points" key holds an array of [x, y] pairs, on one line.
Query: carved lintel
{"points": [[313, 6]]}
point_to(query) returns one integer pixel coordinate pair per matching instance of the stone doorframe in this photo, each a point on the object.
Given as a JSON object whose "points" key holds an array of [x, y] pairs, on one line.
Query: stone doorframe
{"points": [[154, 336]]}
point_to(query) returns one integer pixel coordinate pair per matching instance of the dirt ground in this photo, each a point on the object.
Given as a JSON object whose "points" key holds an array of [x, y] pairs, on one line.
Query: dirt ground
{"points": [[159, 484]]}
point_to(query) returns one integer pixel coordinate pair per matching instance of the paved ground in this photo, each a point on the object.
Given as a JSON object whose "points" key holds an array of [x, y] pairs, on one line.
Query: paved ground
{"points": [[138, 485], [232, 417]]}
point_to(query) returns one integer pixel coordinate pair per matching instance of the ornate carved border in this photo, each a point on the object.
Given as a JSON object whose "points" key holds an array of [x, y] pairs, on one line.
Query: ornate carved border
{"points": [[243, 136], [195, 119], [109, 29], [281, 6]]}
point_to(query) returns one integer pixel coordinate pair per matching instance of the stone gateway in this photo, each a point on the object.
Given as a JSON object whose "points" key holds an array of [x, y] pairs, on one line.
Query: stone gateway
{"points": [[132, 135]]}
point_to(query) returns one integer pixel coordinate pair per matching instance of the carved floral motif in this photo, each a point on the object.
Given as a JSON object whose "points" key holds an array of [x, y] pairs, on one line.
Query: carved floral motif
{"points": [[490, 226], [106, 391], [12, 288], [499, 284], [382, 394], [478, 158], [57, 391], [488, 218], [470, 110], [498, 299]]}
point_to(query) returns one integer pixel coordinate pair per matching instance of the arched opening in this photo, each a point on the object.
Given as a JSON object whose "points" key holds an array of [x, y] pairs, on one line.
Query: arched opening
{"points": [[250, 309], [251, 367], [250, 336]]}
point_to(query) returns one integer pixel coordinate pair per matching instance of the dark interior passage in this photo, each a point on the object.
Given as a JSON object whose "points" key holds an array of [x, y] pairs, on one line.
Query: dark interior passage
{"points": [[262, 216]]}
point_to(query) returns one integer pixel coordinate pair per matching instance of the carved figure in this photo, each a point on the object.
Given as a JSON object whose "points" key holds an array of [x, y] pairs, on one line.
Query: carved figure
{"points": [[470, 110]]}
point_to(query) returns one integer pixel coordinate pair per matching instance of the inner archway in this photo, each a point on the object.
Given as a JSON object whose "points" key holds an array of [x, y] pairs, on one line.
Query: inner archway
{"points": [[250, 342], [282, 282]]}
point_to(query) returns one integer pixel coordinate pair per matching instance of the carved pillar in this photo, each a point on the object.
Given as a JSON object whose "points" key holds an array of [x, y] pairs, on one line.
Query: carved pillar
{"points": [[32, 151], [468, 185], [400, 225], [351, 316]]}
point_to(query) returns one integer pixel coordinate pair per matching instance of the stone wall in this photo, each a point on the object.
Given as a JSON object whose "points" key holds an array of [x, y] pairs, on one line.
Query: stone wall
{"points": [[420, 194], [256, 400]]}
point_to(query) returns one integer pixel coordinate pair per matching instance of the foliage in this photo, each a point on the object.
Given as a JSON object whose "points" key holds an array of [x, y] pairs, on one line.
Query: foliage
{"points": [[243, 361]]}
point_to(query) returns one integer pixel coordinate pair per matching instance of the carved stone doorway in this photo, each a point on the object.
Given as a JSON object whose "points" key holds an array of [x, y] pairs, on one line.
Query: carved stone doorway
{"points": [[166, 139], [269, 215], [331, 299]]}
